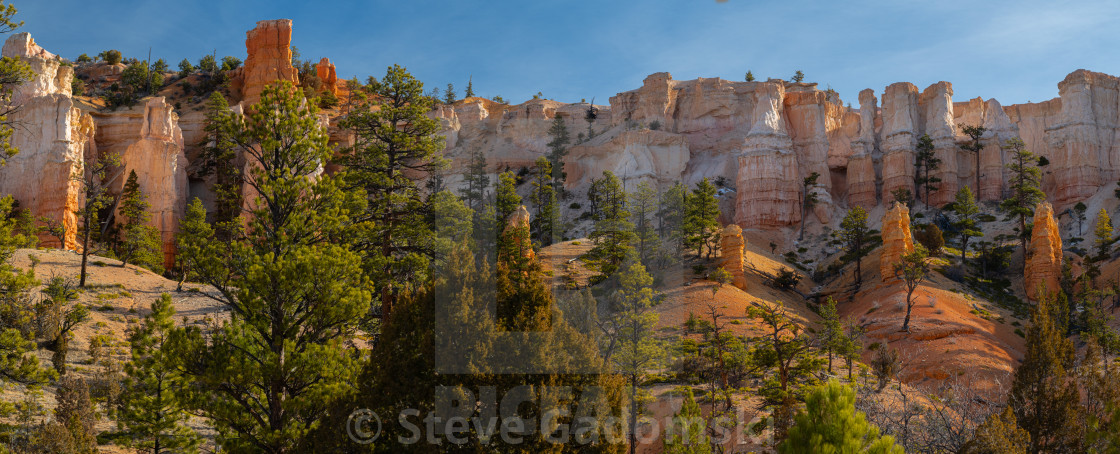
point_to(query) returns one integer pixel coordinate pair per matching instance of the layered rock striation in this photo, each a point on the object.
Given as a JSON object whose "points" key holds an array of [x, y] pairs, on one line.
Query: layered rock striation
{"points": [[1044, 255], [732, 259], [897, 240], [148, 140], [54, 138], [269, 59]]}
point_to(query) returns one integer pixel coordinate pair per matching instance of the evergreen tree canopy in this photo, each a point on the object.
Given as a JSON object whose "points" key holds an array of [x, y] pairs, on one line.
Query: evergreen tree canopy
{"points": [[830, 424]]}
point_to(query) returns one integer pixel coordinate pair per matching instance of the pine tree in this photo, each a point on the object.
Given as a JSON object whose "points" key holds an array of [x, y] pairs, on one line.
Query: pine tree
{"points": [[139, 242], [1043, 397], [926, 162], [413, 348], [798, 77], [968, 219], [830, 423], [613, 233], [393, 232], [1103, 233], [999, 434], [546, 223], [95, 188], [642, 206], [637, 350], [557, 150], [63, 315], [912, 271], [507, 198], [855, 236], [701, 222], [295, 292], [686, 433], [72, 429], [974, 146], [809, 199], [449, 94], [13, 72], [194, 234], [18, 363], [1026, 181], [832, 331], [219, 158], [185, 68], [470, 88], [671, 214], [1079, 214], [476, 182], [152, 413], [750, 76], [783, 352]]}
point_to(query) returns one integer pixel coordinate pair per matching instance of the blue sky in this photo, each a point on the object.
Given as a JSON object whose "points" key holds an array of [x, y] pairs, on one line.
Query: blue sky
{"points": [[1014, 51]]}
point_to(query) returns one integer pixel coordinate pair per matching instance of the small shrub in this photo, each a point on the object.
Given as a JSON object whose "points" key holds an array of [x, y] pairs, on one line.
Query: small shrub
{"points": [[575, 206], [930, 236], [698, 269], [77, 87], [655, 125], [111, 57], [786, 279]]}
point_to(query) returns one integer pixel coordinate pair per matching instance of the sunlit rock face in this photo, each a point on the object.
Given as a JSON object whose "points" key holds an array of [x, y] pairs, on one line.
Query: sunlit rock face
{"points": [[1044, 255], [269, 59], [148, 140], [897, 240], [731, 255], [762, 139], [53, 138]]}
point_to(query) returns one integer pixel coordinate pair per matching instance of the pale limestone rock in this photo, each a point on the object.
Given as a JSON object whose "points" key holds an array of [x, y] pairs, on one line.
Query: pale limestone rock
{"points": [[53, 138], [1044, 258], [654, 156], [148, 140], [937, 111], [1083, 149], [900, 122], [768, 183], [897, 240], [861, 166]]}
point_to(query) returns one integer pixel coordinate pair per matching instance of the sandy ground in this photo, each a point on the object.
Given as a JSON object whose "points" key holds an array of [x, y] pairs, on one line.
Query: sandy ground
{"points": [[117, 297]]}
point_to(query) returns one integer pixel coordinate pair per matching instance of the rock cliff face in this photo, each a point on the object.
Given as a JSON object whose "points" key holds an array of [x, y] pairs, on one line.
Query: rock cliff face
{"points": [[861, 175], [326, 72], [1044, 258], [897, 240], [53, 144], [731, 255], [148, 140], [269, 59]]}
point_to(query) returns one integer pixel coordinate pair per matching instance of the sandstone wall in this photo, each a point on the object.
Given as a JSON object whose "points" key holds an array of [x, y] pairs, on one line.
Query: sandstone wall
{"points": [[147, 138], [53, 138]]}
